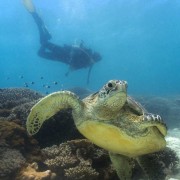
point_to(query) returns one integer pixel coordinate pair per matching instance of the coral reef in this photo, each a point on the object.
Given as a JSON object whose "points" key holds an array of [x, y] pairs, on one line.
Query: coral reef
{"points": [[12, 97], [31, 172], [161, 164], [21, 147], [78, 159], [21, 112], [81, 160], [15, 103], [16, 148], [15, 136], [10, 161]]}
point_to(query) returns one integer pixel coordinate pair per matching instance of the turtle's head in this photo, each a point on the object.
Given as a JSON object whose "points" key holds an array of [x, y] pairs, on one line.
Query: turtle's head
{"points": [[111, 98], [113, 88]]}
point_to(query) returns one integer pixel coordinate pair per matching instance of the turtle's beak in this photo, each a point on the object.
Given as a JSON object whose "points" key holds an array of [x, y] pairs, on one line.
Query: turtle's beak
{"points": [[162, 129]]}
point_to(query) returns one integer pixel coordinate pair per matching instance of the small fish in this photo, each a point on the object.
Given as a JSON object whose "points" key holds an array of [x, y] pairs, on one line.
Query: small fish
{"points": [[55, 82], [26, 85], [46, 86], [32, 82], [47, 92], [21, 77], [41, 77]]}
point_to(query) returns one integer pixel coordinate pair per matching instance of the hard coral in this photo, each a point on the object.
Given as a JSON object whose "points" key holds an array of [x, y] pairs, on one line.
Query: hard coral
{"points": [[15, 103], [21, 111], [81, 172], [77, 159], [12, 97], [10, 161], [162, 164], [14, 136], [80, 159], [31, 173]]}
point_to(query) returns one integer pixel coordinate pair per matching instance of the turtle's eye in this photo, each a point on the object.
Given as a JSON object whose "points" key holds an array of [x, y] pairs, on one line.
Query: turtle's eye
{"points": [[110, 85], [107, 88]]}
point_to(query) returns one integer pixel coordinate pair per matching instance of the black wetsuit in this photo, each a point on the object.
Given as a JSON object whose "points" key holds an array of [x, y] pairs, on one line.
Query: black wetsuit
{"points": [[76, 57]]}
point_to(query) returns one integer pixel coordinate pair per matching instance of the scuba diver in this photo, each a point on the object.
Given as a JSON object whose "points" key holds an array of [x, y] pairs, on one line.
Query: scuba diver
{"points": [[76, 56]]}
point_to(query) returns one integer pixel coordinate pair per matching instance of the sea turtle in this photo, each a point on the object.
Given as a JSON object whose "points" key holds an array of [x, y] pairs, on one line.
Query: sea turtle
{"points": [[110, 119]]}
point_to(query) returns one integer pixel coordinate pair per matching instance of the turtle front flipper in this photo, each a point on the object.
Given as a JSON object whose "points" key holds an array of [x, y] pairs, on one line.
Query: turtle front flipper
{"points": [[135, 106], [123, 165], [49, 106]]}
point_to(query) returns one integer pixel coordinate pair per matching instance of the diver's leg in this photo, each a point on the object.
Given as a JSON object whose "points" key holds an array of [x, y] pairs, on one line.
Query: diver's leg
{"points": [[52, 51], [45, 54], [54, 47], [43, 32]]}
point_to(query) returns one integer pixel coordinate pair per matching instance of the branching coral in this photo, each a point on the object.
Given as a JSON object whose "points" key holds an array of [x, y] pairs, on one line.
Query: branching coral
{"points": [[81, 172], [76, 159]]}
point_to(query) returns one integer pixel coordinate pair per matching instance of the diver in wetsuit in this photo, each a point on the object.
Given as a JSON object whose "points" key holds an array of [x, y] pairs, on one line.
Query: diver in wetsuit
{"points": [[77, 57]]}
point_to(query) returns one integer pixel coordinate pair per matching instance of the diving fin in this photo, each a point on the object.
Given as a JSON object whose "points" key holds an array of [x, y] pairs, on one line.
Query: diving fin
{"points": [[29, 5]]}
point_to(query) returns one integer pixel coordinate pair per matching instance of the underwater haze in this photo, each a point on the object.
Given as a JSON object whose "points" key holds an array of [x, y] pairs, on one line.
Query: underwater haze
{"points": [[139, 42]]}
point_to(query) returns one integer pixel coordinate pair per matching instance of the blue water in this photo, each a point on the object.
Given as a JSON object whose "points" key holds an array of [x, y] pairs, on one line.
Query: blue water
{"points": [[139, 41]]}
